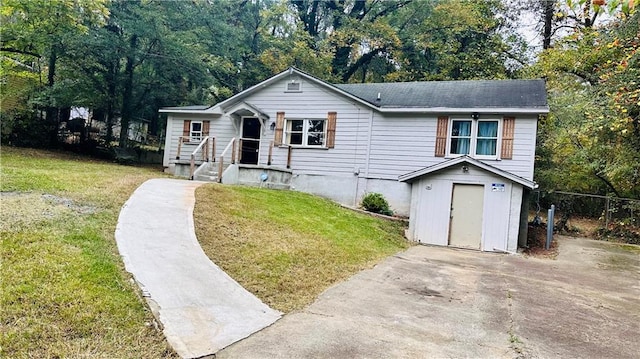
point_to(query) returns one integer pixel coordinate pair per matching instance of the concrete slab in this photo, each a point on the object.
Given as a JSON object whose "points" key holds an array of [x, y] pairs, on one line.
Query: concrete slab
{"points": [[435, 302], [201, 308]]}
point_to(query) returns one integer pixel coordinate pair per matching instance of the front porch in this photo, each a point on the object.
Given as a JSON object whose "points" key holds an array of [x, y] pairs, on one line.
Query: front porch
{"points": [[201, 164]]}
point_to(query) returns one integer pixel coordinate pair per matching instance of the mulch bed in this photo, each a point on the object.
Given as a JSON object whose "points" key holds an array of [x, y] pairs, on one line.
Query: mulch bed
{"points": [[536, 239]]}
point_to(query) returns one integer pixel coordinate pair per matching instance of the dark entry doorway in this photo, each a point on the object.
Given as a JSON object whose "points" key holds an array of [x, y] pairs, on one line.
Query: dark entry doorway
{"points": [[250, 140]]}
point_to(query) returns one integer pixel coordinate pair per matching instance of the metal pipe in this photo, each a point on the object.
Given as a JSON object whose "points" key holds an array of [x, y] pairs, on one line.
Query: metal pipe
{"points": [[607, 213], [550, 214]]}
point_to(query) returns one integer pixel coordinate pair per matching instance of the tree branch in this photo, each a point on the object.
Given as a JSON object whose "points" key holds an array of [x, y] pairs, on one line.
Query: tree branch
{"points": [[606, 182], [364, 59], [17, 51], [394, 7]]}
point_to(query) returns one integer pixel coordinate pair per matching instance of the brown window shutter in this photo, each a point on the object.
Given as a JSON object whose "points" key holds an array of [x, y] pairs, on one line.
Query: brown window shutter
{"points": [[331, 129], [508, 125], [277, 140], [205, 128], [441, 136], [186, 130]]}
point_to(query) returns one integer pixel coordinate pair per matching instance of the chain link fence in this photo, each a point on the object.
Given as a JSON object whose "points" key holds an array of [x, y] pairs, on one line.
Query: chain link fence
{"points": [[589, 214]]}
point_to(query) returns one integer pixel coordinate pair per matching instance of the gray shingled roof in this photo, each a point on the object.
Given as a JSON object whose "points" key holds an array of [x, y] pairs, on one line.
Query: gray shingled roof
{"points": [[194, 107], [453, 94]]}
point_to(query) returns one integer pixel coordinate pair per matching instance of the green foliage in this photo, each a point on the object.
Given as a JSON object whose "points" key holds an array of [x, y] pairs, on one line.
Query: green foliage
{"points": [[455, 40], [286, 44], [591, 140], [376, 203], [22, 127], [126, 59], [363, 41]]}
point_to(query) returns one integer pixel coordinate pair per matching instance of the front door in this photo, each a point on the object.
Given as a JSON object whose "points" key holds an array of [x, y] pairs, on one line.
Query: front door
{"points": [[466, 216], [250, 140]]}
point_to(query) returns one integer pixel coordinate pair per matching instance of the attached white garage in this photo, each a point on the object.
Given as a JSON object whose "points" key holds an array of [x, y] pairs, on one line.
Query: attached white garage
{"points": [[466, 203]]}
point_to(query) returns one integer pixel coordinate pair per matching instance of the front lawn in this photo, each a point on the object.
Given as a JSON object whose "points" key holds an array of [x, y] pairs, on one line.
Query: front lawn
{"points": [[287, 247], [64, 291]]}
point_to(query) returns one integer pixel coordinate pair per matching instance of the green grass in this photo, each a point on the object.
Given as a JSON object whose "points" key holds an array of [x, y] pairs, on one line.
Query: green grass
{"points": [[630, 248], [64, 291], [287, 247]]}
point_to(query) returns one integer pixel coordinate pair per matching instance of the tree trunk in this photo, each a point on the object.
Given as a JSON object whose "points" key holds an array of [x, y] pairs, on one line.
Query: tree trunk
{"points": [[51, 110], [125, 114], [548, 6], [111, 95], [340, 61]]}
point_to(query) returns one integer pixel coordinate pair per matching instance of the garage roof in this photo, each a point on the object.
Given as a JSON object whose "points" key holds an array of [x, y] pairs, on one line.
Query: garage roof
{"points": [[412, 176]]}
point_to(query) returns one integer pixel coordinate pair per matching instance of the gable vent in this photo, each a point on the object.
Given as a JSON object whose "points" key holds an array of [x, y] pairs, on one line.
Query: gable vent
{"points": [[294, 86]]}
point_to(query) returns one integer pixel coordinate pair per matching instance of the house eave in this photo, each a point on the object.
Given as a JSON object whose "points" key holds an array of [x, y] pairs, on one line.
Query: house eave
{"points": [[458, 110], [412, 176], [192, 112]]}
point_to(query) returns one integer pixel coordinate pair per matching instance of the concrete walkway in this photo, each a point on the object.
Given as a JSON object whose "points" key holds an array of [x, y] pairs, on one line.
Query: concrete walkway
{"points": [[201, 308]]}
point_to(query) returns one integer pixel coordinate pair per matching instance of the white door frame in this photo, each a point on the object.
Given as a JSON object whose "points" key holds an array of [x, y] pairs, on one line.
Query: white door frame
{"points": [[259, 132]]}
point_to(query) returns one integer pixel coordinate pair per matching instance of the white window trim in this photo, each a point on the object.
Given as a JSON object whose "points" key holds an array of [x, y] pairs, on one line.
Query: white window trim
{"points": [[474, 138], [196, 138], [305, 132]]}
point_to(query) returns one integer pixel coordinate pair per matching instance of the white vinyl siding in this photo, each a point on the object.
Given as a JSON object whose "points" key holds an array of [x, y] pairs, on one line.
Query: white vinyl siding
{"points": [[430, 208], [315, 102], [405, 143], [370, 146], [219, 127]]}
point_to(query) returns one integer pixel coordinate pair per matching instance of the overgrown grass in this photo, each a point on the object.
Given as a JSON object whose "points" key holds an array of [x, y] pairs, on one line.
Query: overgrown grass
{"points": [[287, 247], [64, 291]]}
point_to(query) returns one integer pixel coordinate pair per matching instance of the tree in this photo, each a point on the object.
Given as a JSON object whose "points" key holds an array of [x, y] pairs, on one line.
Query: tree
{"points": [[558, 18], [40, 29], [356, 32], [456, 40], [590, 142]]}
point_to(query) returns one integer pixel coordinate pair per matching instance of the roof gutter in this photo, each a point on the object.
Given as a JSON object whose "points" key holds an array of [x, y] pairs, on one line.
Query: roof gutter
{"points": [[459, 110], [194, 112]]}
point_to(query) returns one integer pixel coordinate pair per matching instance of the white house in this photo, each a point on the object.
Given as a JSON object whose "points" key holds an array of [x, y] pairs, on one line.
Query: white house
{"points": [[455, 156]]}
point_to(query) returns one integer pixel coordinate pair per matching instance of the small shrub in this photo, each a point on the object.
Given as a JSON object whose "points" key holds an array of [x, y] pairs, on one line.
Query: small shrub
{"points": [[376, 203], [620, 232]]}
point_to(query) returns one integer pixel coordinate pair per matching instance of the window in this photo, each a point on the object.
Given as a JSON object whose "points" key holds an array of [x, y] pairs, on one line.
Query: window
{"points": [[478, 138], [460, 137], [487, 138], [194, 130], [195, 134], [305, 132]]}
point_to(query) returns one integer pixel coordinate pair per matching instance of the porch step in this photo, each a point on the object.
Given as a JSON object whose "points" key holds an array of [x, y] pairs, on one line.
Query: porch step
{"points": [[207, 176]]}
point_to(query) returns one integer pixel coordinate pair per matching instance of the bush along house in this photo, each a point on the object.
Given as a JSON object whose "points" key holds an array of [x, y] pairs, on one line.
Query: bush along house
{"points": [[457, 157]]}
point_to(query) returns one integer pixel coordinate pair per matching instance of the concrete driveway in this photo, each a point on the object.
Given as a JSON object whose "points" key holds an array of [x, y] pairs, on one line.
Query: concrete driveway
{"points": [[432, 302]]}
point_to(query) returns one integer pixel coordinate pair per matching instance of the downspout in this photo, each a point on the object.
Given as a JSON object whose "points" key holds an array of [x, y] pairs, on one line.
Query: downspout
{"points": [[356, 168], [369, 144]]}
